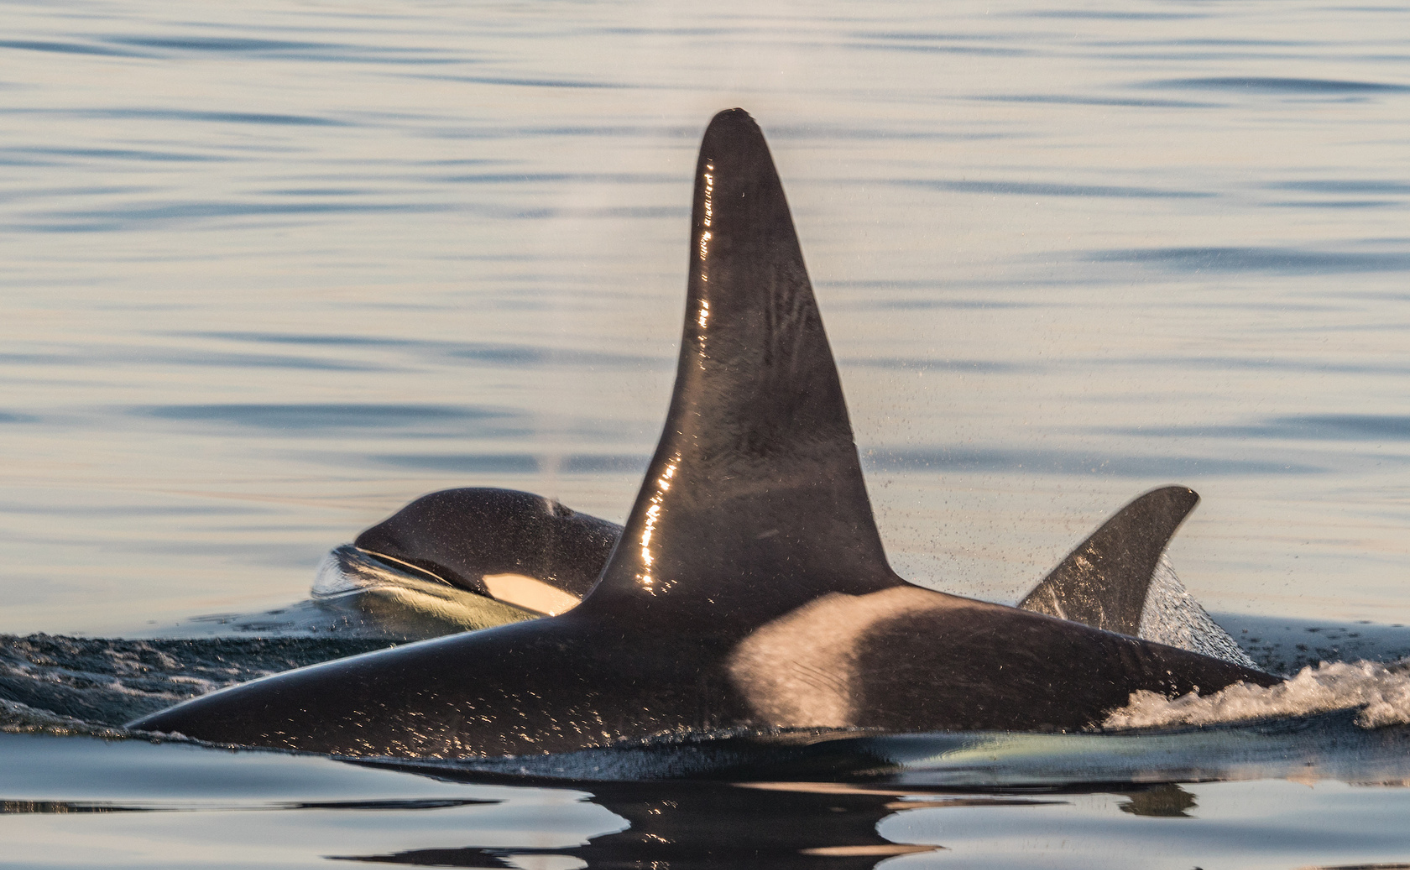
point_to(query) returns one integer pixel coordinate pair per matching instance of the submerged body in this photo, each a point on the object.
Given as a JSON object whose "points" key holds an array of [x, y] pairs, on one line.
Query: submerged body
{"points": [[749, 589]]}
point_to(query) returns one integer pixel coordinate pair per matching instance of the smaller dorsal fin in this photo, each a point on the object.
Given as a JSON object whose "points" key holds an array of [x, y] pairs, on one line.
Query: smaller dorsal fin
{"points": [[755, 497], [1103, 583]]}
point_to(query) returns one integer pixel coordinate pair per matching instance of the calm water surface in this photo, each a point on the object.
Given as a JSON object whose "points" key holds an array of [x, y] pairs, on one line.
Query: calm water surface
{"points": [[273, 269]]}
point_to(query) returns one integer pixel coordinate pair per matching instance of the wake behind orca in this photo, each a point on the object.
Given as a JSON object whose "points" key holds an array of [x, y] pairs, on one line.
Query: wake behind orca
{"points": [[749, 589]]}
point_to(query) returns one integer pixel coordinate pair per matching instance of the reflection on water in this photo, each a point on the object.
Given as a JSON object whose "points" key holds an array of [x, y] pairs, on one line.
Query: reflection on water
{"points": [[134, 804], [709, 825], [1166, 799], [797, 825]]}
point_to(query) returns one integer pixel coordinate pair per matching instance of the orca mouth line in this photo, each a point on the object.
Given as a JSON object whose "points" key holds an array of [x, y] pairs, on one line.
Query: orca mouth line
{"points": [[350, 570], [394, 564], [400, 596]]}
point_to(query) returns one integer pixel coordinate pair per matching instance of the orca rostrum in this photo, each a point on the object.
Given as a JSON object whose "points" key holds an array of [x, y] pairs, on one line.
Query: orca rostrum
{"points": [[512, 546], [749, 589]]}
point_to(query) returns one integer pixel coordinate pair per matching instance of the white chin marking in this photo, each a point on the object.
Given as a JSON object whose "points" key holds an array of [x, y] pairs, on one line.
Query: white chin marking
{"points": [[529, 593]]}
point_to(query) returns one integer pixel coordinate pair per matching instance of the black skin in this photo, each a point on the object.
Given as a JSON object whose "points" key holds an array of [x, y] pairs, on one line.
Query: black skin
{"points": [[753, 515], [1104, 581]]}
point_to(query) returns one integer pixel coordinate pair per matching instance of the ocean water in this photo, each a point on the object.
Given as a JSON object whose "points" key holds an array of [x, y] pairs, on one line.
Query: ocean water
{"points": [[273, 269]]}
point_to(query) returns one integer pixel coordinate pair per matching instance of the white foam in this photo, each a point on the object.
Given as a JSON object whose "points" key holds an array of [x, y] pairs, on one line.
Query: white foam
{"points": [[1381, 692]]}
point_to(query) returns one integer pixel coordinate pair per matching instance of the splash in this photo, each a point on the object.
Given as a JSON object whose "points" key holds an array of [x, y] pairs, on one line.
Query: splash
{"points": [[68, 685], [1173, 617], [1380, 691], [18, 718]]}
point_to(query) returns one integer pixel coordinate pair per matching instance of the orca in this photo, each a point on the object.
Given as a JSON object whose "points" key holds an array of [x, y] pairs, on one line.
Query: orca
{"points": [[749, 589], [515, 547]]}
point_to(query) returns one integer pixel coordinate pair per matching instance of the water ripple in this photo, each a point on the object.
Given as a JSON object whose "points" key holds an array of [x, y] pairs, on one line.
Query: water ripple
{"points": [[107, 153], [107, 357], [1332, 203], [1060, 99], [316, 416], [1345, 186], [1277, 85], [216, 43], [520, 463], [255, 47], [66, 48], [1308, 427], [1259, 259], [150, 114], [1101, 15], [933, 364], [1035, 188], [1065, 462], [516, 355], [326, 416], [983, 50], [531, 82], [464, 463]]}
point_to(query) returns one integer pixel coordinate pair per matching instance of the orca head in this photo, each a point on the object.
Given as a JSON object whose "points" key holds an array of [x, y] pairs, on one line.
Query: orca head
{"points": [[512, 546]]}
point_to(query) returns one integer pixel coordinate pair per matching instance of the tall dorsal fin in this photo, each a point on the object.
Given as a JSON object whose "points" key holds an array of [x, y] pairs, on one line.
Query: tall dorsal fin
{"points": [[754, 499], [1103, 583]]}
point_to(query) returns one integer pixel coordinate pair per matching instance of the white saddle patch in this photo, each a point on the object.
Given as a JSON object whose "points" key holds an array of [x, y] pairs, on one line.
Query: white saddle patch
{"points": [[799, 671]]}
